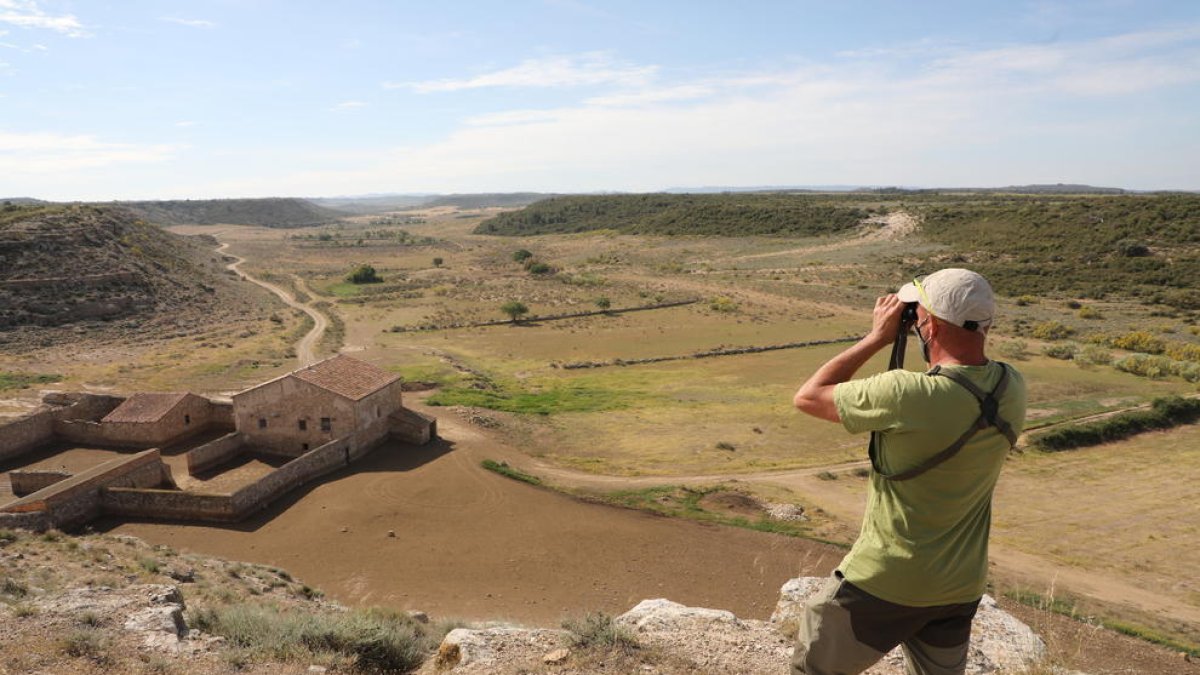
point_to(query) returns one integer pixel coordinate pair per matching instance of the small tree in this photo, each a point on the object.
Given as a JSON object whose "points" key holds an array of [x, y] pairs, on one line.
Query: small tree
{"points": [[603, 303], [522, 255], [364, 274], [540, 268], [437, 262], [515, 309]]}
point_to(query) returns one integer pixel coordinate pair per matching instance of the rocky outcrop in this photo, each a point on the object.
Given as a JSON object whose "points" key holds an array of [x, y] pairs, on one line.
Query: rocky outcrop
{"points": [[696, 639]]}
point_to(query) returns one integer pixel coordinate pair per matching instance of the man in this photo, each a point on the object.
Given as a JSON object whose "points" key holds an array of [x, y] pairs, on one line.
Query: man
{"points": [[916, 573]]}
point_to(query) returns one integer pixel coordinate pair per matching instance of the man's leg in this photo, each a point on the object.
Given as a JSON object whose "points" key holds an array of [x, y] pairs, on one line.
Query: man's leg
{"points": [[923, 659], [941, 646], [825, 644]]}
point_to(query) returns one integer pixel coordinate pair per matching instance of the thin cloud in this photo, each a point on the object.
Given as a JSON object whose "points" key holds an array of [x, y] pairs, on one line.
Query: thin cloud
{"points": [[50, 152], [349, 105], [194, 23], [185, 123], [27, 14], [556, 71]]}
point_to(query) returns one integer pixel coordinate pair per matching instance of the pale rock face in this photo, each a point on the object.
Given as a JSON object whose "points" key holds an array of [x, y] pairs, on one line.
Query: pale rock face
{"points": [[698, 639]]}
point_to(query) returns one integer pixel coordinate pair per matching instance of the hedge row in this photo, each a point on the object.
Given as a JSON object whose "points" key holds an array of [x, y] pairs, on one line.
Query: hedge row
{"points": [[1164, 413]]}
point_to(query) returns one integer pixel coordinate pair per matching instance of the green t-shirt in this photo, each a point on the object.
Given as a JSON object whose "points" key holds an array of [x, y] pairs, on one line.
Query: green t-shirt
{"points": [[924, 541]]}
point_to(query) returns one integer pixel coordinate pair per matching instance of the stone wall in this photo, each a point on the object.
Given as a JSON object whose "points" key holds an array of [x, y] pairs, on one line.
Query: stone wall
{"points": [[221, 414], [168, 504], [26, 433], [214, 453], [28, 482], [328, 457], [37, 428], [411, 426], [76, 500]]}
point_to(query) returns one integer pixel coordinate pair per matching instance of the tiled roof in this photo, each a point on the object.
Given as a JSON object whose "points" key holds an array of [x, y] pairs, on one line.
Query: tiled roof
{"points": [[346, 376], [145, 407]]}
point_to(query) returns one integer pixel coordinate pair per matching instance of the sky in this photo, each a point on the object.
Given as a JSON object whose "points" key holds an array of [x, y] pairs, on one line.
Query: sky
{"points": [[155, 99]]}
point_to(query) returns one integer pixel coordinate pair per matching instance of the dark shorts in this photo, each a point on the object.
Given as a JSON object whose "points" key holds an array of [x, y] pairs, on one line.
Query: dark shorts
{"points": [[846, 630]]}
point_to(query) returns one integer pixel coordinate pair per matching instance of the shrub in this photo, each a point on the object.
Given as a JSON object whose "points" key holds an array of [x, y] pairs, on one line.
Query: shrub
{"points": [[1144, 365], [540, 268], [722, 303], [1074, 304], [726, 445], [603, 303], [364, 274], [598, 631], [86, 643], [437, 262], [1025, 300], [1093, 355], [1183, 351], [1052, 330], [521, 255], [1138, 341], [1065, 352], [1015, 350], [1090, 313]]}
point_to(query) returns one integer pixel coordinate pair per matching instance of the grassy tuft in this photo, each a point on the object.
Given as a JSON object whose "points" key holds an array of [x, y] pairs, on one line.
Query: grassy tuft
{"points": [[598, 631], [504, 469]]}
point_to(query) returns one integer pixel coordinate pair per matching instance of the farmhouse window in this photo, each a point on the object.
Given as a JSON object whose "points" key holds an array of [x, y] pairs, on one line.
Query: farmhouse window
{"points": [[326, 424], [262, 423], [187, 419], [304, 446], [303, 425]]}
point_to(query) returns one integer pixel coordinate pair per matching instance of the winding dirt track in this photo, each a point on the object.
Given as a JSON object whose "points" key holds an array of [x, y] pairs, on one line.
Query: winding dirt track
{"points": [[306, 347]]}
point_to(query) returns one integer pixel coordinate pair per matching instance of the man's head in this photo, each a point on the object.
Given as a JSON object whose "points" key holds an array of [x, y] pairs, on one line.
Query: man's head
{"points": [[955, 296], [955, 310]]}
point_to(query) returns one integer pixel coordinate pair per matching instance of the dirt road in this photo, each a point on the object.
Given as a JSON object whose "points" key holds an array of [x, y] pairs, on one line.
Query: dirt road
{"points": [[306, 347]]}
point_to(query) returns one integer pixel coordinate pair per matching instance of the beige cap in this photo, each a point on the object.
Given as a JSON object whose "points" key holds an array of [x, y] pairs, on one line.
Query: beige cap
{"points": [[954, 295]]}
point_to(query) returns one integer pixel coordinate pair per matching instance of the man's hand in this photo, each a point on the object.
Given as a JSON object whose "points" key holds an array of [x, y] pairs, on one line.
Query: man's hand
{"points": [[886, 320], [815, 397]]}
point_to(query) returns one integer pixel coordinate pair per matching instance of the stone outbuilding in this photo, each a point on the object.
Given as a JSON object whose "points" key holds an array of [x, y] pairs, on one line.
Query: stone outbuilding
{"points": [[340, 397]]}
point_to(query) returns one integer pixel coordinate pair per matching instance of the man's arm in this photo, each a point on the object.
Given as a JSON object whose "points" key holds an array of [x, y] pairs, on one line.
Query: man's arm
{"points": [[815, 396]]}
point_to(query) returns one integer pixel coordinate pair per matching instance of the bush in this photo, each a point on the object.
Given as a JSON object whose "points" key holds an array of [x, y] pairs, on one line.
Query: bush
{"points": [[364, 274], [1052, 330], [521, 255], [603, 303], [540, 268], [723, 304], [437, 262], [1064, 352], [1093, 355], [1144, 365], [1025, 300], [1015, 350], [1138, 341], [1183, 351], [1090, 313]]}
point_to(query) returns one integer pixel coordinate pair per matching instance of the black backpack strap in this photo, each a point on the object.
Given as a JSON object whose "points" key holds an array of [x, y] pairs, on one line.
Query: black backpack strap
{"points": [[989, 415]]}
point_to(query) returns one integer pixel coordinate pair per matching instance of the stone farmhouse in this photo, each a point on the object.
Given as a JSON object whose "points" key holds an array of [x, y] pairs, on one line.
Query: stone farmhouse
{"points": [[313, 420]]}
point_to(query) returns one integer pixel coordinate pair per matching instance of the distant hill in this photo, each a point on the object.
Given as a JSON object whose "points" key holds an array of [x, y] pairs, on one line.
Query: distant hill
{"points": [[370, 204], [21, 201], [272, 212], [79, 263], [680, 214], [486, 200]]}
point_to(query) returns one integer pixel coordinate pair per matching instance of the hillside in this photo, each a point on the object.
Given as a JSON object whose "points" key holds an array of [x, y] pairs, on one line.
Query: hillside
{"points": [[681, 214], [1145, 247], [94, 265], [273, 212]]}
